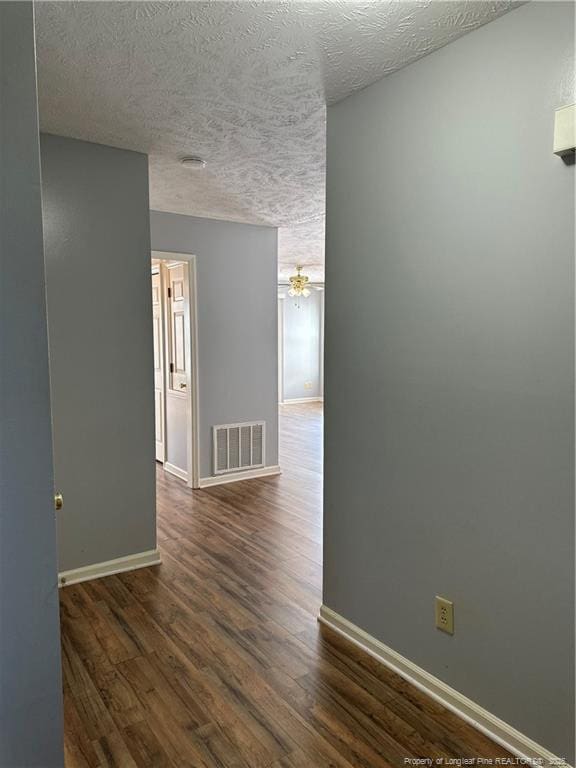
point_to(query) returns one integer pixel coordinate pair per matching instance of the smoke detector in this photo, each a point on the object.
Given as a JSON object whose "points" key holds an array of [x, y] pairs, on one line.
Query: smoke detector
{"points": [[193, 162]]}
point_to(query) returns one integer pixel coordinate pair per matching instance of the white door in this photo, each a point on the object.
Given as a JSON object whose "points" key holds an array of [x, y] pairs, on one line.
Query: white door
{"points": [[158, 321], [177, 312], [178, 369]]}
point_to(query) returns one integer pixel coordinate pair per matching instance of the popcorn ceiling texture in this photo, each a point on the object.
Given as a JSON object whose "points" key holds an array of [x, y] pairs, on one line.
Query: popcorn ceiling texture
{"points": [[242, 84], [302, 244]]}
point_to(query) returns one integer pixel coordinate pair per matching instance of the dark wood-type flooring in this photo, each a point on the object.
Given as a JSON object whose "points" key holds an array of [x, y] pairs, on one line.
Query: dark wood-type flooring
{"points": [[215, 658]]}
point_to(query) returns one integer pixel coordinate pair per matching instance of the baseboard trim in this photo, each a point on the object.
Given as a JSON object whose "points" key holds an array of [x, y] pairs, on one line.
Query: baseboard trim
{"points": [[508, 737], [295, 400], [109, 567], [234, 477], [173, 470]]}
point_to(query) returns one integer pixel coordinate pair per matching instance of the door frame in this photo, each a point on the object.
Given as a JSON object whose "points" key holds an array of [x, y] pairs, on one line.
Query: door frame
{"points": [[322, 290], [281, 298], [192, 409], [160, 272]]}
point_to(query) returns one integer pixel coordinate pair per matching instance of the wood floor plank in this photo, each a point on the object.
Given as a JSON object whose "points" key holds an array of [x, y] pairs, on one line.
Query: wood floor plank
{"points": [[113, 751], [214, 659], [145, 748]]}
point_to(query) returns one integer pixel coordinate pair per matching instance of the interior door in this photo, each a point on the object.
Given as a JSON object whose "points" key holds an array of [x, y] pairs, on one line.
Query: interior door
{"points": [[177, 309], [178, 369], [30, 671], [158, 329]]}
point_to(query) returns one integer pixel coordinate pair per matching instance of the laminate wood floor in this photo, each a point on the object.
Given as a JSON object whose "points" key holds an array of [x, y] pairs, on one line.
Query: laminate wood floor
{"points": [[215, 657]]}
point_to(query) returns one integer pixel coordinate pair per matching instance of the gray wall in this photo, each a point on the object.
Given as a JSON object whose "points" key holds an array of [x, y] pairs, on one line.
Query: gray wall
{"points": [[237, 321], [450, 367], [30, 682], [302, 345], [97, 242]]}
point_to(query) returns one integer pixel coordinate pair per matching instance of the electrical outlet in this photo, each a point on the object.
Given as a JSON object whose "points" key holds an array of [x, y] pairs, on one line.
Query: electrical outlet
{"points": [[444, 615], [307, 385]]}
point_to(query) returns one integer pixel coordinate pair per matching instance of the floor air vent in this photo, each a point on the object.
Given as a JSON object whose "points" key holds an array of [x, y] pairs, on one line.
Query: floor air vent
{"points": [[238, 446]]}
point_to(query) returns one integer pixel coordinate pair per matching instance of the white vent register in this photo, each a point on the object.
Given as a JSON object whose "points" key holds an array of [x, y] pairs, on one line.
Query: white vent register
{"points": [[238, 446]]}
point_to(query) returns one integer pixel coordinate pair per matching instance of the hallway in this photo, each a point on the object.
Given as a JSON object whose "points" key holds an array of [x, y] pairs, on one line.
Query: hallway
{"points": [[215, 658]]}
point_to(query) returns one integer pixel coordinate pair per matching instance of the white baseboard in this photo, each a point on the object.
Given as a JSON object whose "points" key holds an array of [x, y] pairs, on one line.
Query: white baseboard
{"points": [[234, 477], [294, 400], [520, 745], [109, 567], [173, 470]]}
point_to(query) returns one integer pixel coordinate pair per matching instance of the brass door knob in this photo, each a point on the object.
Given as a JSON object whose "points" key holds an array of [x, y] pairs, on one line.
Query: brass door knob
{"points": [[58, 501], [182, 385]]}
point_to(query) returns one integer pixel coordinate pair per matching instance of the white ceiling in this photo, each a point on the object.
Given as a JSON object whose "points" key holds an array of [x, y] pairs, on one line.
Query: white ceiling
{"points": [[241, 84]]}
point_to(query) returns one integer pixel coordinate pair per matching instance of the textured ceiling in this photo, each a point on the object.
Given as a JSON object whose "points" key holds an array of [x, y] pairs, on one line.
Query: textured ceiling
{"points": [[241, 84], [302, 244]]}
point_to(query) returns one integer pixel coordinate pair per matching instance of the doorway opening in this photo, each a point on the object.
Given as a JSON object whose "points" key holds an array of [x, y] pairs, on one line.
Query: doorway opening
{"points": [[175, 339], [301, 408], [301, 346]]}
